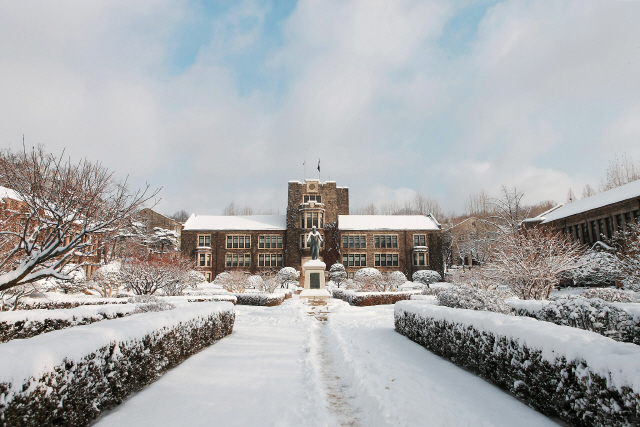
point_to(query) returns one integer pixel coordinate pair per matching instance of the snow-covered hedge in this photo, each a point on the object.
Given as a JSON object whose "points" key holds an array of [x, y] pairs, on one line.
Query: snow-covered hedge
{"points": [[609, 295], [55, 304], [338, 292], [436, 288], [200, 298], [473, 299], [29, 323], [267, 300], [362, 299], [426, 277], [578, 376], [69, 377]]}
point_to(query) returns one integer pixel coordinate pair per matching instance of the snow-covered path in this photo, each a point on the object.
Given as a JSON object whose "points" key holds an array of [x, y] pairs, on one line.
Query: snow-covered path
{"points": [[282, 367]]}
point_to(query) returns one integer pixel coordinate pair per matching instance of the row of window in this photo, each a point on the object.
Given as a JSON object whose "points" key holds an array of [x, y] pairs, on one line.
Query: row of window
{"points": [[382, 260], [593, 231], [244, 242], [311, 219], [359, 241], [244, 260], [312, 198]]}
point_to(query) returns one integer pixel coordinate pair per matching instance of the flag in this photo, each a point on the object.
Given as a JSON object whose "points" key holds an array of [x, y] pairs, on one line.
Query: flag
{"points": [[318, 165]]}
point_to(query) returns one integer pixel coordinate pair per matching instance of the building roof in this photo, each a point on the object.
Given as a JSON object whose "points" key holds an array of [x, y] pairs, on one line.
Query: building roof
{"points": [[244, 222], [387, 222], [618, 194]]}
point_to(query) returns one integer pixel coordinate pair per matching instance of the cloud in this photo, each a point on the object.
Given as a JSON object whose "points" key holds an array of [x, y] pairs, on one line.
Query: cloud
{"points": [[541, 96]]}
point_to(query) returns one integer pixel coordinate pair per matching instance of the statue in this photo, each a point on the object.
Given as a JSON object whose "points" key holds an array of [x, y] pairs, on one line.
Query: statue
{"points": [[313, 241]]}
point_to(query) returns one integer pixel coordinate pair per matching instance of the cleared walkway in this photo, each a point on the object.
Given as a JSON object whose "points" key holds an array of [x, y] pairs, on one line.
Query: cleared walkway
{"points": [[282, 367]]}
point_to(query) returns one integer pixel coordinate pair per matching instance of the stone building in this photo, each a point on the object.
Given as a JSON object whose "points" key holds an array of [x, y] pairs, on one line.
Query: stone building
{"points": [[263, 244], [590, 219]]}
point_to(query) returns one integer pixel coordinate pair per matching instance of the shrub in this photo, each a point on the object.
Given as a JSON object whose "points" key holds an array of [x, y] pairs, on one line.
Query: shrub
{"points": [[371, 280], [269, 285], [265, 300], [426, 277], [337, 274], [473, 299], [50, 385], [106, 280], [255, 282], [436, 288], [609, 295], [534, 361], [147, 303], [593, 315], [597, 268], [235, 281], [287, 277], [362, 299]]}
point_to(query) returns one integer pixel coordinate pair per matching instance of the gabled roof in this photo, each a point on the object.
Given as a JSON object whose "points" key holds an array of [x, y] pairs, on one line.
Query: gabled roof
{"points": [[244, 222], [618, 194], [7, 193], [387, 222]]}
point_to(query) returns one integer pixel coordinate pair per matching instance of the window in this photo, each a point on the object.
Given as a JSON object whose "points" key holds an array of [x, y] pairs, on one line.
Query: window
{"points": [[419, 240], [609, 227], [238, 260], [270, 260], [577, 227], [203, 260], [270, 242], [208, 276], [354, 260], [594, 232], [204, 240], [627, 218], [303, 241], [420, 258], [619, 221], [238, 242], [386, 260], [354, 241], [309, 219], [385, 241], [636, 216], [585, 234], [312, 198]]}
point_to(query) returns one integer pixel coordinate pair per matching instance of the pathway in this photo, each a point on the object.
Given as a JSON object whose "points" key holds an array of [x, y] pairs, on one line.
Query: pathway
{"points": [[283, 367]]}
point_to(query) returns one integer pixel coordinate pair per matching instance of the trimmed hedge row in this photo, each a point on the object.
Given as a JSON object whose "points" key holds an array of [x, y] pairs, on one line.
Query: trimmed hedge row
{"points": [[618, 321], [264, 300], [554, 383], [363, 299], [76, 389], [21, 324], [60, 304]]}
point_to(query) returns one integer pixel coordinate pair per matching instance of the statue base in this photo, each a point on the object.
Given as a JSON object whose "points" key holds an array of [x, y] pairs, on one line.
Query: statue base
{"points": [[314, 281]]}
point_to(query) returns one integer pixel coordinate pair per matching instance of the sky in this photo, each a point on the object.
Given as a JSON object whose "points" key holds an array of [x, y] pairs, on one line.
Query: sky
{"points": [[224, 101]]}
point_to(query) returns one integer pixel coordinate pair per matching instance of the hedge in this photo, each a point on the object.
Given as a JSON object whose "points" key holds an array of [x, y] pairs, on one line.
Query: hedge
{"points": [[581, 377], [362, 299], [55, 304], [29, 323], [200, 298], [69, 377], [265, 300]]}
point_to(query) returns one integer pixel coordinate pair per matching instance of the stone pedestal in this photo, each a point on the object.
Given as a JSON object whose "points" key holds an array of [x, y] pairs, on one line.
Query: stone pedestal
{"points": [[314, 283]]}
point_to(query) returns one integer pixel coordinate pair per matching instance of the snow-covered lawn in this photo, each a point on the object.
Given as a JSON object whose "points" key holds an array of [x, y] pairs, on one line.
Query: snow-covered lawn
{"points": [[283, 367]]}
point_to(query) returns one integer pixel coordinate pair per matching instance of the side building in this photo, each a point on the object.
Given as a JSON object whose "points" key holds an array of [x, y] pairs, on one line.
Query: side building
{"points": [[591, 219], [262, 244]]}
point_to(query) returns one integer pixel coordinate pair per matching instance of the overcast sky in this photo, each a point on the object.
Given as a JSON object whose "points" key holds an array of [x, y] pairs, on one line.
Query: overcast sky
{"points": [[225, 102]]}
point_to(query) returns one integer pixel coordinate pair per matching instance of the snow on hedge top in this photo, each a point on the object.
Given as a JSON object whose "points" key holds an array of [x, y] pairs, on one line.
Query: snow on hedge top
{"points": [[386, 222], [243, 222], [618, 194], [21, 359], [603, 355]]}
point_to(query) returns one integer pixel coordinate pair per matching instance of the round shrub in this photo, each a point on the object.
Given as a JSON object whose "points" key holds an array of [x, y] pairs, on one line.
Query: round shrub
{"points": [[337, 274], [473, 299], [426, 277], [287, 277], [596, 269], [609, 295]]}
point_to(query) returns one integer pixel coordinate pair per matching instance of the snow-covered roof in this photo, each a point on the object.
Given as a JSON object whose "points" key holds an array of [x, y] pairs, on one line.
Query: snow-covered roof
{"points": [[618, 194], [387, 222], [7, 193], [243, 222]]}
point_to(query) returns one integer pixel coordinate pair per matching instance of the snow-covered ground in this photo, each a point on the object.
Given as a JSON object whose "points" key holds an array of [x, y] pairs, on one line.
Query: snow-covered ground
{"points": [[284, 367]]}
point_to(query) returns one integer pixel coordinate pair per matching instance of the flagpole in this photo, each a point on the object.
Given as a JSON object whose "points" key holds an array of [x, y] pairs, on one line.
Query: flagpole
{"points": [[304, 167]]}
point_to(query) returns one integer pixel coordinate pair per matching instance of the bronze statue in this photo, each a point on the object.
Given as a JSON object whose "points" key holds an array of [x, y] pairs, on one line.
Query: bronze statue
{"points": [[313, 241]]}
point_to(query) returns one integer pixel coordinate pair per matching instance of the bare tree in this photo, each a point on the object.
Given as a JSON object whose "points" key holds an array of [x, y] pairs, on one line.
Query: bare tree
{"points": [[180, 216], [529, 262], [67, 210], [479, 205], [571, 196], [231, 209], [588, 191], [147, 275], [233, 281], [508, 211], [621, 171]]}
